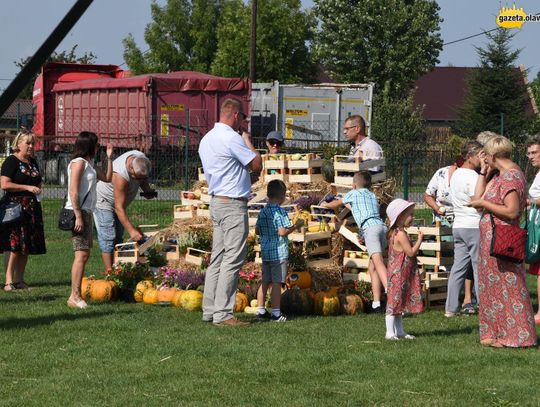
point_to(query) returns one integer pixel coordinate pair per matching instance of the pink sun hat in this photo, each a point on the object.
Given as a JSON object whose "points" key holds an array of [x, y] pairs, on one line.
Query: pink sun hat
{"points": [[396, 208]]}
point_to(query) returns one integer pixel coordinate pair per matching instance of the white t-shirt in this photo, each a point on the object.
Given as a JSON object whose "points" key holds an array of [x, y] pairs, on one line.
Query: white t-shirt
{"points": [[371, 150], [462, 186], [87, 187], [534, 190], [225, 158], [105, 193]]}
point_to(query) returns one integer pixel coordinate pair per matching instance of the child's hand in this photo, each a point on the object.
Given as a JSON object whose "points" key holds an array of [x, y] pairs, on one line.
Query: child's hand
{"points": [[299, 223], [420, 235]]}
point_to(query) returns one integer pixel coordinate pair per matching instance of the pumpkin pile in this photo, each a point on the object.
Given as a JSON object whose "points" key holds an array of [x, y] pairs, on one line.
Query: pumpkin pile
{"points": [[98, 290]]}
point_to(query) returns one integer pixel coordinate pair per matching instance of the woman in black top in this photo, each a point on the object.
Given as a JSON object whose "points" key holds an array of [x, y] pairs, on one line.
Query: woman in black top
{"points": [[21, 181]]}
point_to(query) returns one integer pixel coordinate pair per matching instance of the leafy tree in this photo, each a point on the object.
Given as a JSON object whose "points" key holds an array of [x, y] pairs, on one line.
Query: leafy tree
{"points": [[391, 41], [284, 33], [496, 87], [535, 88], [63, 56], [182, 36]]}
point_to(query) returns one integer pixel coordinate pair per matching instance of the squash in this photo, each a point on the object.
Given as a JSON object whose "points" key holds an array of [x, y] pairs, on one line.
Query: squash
{"points": [[300, 279], [326, 303], [304, 215], [150, 296], [296, 302], [166, 294], [141, 287], [250, 310], [177, 298], [86, 285], [254, 303], [192, 300], [350, 304], [101, 291], [242, 302], [115, 290]]}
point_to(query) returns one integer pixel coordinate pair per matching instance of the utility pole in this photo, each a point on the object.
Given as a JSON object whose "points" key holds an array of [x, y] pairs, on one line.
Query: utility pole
{"points": [[253, 43]]}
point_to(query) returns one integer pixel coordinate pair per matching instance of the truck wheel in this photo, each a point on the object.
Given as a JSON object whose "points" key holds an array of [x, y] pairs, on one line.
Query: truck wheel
{"points": [[51, 170], [62, 171]]}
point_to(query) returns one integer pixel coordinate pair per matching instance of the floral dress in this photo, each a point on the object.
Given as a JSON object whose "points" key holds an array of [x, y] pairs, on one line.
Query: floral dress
{"points": [[506, 313], [404, 293], [26, 236]]}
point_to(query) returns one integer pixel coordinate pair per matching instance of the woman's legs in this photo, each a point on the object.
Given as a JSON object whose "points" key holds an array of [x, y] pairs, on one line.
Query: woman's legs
{"points": [[537, 315], [20, 268], [77, 273], [14, 265]]}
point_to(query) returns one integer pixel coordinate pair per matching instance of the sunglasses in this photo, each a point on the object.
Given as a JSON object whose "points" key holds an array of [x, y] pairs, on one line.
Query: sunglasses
{"points": [[274, 142]]}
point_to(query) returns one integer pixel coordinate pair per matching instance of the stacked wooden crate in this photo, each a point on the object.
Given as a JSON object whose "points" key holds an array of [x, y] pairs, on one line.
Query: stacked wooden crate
{"points": [[345, 167], [355, 263], [316, 245], [304, 168], [274, 167]]}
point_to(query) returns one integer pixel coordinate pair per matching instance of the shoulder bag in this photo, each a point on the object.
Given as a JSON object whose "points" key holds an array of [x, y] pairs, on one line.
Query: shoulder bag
{"points": [[508, 242], [10, 212], [533, 235], [66, 219]]}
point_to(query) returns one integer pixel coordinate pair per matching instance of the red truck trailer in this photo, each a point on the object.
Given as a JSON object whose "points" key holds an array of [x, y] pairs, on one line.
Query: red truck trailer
{"points": [[154, 113]]}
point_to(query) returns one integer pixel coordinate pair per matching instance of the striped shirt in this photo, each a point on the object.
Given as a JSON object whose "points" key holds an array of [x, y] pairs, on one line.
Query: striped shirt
{"points": [[270, 219], [365, 208]]}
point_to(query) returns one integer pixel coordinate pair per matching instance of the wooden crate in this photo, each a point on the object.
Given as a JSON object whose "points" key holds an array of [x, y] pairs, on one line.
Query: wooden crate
{"points": [[360, 261], [351, 235], [305, 176], [189, 201], [317, 247], [252, 216], [310, 160], [323, 260], [435, 289], [328, 217], [435, 254], [184, 211], [362, 276], [304, 236], [200, 174], [196, 256], [274, 161], [203, 209], [355, 164], [272, 174], [340, 189], [172, 252], [128, 253]]}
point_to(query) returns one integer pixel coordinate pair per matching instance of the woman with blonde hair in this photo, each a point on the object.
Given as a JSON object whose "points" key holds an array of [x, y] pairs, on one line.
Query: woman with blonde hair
{"points": [[21, 179], [506, 314]]}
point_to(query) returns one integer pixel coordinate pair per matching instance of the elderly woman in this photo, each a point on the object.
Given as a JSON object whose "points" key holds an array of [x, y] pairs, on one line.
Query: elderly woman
{"points": [[274, 142], [21, 180], [506, 314], [533, 154]]}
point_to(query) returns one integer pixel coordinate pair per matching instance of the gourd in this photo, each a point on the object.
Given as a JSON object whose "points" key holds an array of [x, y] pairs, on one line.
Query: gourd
{"points": [[177, 298], [166, 294], [241, 303], [326, 303], [300, 279], [140, 288], [296, 302], [192, 300], [101, 291], [150, 296], [351, 304], [86, 286]]}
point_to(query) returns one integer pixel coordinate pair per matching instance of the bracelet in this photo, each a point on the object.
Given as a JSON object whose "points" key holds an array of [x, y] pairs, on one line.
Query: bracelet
{"points": [[483, 174]]}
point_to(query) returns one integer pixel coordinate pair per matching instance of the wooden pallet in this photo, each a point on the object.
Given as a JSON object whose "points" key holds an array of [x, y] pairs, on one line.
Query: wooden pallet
{"points": [[200, 174], [196, 256], [184, 211], [274, 161], [305, 175]]}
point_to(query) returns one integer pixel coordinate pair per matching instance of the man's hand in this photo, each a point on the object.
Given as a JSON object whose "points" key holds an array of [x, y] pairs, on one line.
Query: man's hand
{"points": [[109, 150], [135, 235]]}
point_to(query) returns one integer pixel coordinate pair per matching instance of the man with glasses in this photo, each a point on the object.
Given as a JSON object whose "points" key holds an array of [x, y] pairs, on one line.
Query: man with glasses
{"points": [[227, 156], [130, 172], [361, 145], [274, 142]]}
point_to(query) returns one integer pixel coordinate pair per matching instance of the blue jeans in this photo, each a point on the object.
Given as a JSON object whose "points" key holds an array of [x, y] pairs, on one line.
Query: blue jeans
{"points": [[110, 231]]}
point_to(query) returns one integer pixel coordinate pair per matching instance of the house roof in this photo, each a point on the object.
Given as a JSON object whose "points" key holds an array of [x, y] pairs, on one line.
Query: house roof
{"points": [[442, 92], [25, 109]]}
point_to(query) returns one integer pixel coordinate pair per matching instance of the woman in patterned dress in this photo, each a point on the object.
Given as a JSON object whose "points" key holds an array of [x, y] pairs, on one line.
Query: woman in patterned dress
{"points": [[506, 314], [21, 180], [404, 293]]}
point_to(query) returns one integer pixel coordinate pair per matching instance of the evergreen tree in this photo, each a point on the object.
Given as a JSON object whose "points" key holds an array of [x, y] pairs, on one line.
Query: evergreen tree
{"points": [[496, 92]]}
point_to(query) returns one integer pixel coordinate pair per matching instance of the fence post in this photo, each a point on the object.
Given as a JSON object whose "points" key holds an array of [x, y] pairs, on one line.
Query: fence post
{"points": [[186, 154], [405, 174], [18, 117]]}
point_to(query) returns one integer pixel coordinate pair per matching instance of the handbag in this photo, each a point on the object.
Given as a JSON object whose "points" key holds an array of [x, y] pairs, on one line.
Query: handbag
{"points": [[66, 218], [508, 242], [10, 212], [533, 235]]}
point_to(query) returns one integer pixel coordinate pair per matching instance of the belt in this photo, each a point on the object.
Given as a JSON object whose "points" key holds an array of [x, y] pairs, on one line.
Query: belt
{"points": [[228, 198]]}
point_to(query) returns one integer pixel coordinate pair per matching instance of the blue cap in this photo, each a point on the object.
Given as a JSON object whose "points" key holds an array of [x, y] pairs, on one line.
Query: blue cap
{"points": [[275, 135]]}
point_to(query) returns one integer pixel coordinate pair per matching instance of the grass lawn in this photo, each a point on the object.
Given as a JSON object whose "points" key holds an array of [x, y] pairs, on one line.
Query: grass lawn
{"points": [[122, 354]]}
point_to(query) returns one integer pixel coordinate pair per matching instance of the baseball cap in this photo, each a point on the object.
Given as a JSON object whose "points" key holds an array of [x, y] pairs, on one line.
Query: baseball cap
{"points": [[275, 135]]}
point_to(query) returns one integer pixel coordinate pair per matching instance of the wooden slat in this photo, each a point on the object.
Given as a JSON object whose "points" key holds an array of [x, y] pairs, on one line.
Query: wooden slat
{"points": [[429, 230], [434, 261], [352, 237]]}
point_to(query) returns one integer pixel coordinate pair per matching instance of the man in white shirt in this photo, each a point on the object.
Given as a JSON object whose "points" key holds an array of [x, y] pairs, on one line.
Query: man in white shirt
{"points": [[355, 132], [227, 157], [466, 229]]}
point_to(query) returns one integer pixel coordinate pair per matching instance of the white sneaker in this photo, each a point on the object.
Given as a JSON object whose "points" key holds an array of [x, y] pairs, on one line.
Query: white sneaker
{"points": [[407, 336], [391, 338]]}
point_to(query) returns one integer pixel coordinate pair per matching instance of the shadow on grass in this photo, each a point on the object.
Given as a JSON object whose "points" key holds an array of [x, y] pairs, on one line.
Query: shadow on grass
{"points": [[39, 284], [454, 331], [15, 323], [24, 298]]}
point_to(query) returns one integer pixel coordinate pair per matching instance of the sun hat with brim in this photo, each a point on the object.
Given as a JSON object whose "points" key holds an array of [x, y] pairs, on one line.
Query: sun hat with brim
{"points": [[396, 208]]}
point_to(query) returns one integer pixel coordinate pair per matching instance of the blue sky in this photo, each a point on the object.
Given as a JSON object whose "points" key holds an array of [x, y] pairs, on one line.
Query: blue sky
{"points": [[28, 22]]}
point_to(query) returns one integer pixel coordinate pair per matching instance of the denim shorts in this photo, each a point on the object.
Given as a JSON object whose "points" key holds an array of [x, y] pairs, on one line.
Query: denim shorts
{"points": [[274, 271], [110, 231]]}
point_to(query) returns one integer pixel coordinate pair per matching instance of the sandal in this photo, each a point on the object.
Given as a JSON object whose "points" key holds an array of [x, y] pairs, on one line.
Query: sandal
{"points": [[9, 287], [21, 285], [468, 309]]}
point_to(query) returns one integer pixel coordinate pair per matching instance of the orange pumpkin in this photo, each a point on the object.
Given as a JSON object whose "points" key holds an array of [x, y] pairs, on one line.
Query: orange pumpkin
{"points": [[141, 287], [296, 302], [115, 290], [300, 279], [150, 296], [86, 285], [351, 304], [326, 303], [242, 302], [177, 298], [101, 291], [192, 300], [166, 294]]}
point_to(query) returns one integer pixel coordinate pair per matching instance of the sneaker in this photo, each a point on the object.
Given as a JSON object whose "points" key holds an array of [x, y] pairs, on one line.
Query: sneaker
{"points": [[391, 338], [407, 336], [280, 318], [378, 310], [468, 309], [449, 314], [232, 322], [264, 315]]}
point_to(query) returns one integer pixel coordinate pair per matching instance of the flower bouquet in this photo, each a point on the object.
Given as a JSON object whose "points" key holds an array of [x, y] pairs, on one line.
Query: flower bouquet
{"points": [[127, 275], [185, 279], [250, 279]]}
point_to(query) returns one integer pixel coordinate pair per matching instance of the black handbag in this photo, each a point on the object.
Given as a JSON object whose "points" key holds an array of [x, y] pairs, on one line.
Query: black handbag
{"points": [[66, 218], [10, 212]]}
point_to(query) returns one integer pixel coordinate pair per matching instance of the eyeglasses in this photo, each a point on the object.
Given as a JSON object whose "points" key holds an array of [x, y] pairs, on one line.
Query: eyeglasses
{"points": [[350, 127], [244, 116], [274, 143]]}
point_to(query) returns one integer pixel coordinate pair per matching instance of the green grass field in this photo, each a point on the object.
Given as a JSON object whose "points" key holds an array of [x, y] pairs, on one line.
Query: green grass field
{"points": [[121, 354]]}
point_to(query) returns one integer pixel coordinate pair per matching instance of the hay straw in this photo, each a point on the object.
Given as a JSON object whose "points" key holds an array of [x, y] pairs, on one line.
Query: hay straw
{"points": [[325, 276]]}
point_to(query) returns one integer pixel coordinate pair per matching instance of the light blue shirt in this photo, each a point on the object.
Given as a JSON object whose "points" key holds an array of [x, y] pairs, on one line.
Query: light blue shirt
{"points": [[225, 158], [365, 208], [273, 246]]}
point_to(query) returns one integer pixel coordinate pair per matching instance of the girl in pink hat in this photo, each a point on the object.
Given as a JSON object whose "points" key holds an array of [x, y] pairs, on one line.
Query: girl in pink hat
{"points": [[404, 288]]}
